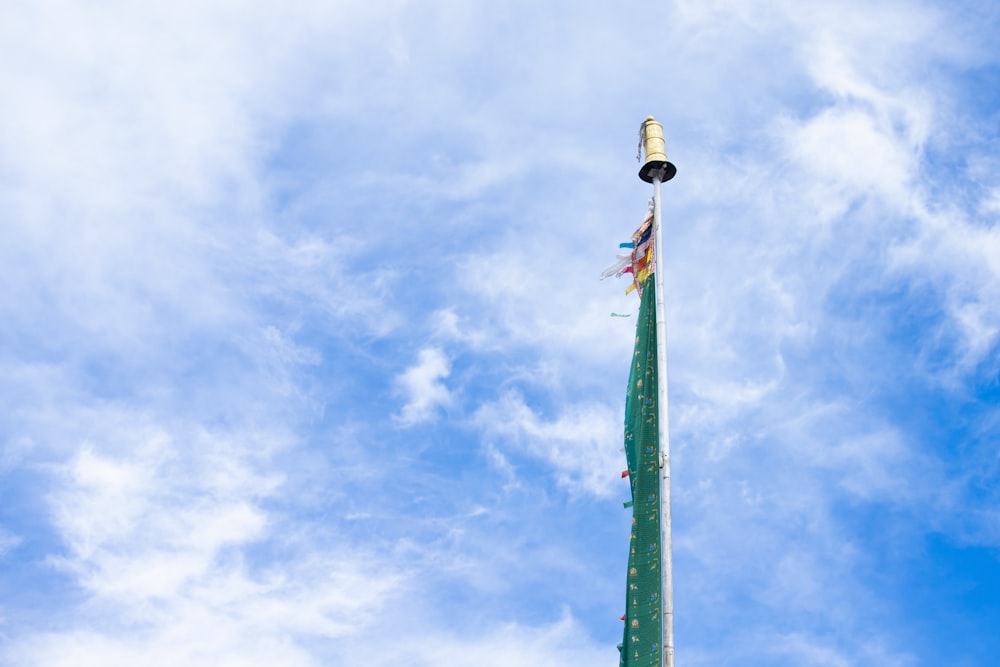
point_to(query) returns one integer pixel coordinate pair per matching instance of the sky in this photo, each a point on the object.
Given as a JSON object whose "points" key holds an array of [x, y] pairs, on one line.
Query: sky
{"points": [[305, 358]]}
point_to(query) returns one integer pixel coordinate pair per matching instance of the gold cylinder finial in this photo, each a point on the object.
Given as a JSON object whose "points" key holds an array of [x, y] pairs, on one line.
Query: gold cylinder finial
{"points": [[651, 136]]}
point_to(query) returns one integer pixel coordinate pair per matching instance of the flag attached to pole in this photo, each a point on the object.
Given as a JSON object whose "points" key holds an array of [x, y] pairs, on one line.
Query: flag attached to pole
{"points": [[642, 259], [648, 635], [643, 613]]}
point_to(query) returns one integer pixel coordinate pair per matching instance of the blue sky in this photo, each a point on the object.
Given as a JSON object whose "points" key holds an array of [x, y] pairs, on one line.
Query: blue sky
{"points": [[305, 359]]}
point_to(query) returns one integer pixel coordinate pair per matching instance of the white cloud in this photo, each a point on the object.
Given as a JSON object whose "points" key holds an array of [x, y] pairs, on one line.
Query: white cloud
{"points": [[422, 387], [228, 617], [847, 147], [559, 644], [962, 259], [162, 531], [144, 525], [8, 542], [817, 652], [582, 443]]}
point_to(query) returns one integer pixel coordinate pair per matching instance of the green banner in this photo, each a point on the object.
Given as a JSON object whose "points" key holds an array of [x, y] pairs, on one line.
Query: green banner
{"points": [[643, 618]]}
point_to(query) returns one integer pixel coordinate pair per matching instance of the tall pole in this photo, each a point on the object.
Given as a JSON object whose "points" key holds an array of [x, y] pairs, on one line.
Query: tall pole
{"points": [[663, 421], [656, 170]]}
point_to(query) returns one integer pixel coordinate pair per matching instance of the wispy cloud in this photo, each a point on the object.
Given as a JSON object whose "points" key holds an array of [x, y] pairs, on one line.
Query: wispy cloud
{"points": [[304, 344], [579, 444], [422, 387]]}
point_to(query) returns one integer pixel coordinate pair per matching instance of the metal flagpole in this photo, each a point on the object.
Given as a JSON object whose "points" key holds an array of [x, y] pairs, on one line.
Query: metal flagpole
{"points": [[655, 170]]}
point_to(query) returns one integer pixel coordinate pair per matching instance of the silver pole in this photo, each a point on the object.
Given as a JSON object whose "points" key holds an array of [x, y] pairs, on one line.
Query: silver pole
{"points": [[666, 533]]}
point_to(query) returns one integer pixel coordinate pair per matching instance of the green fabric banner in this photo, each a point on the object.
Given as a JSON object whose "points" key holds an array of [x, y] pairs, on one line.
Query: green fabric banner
{"points": [[643, 618]]}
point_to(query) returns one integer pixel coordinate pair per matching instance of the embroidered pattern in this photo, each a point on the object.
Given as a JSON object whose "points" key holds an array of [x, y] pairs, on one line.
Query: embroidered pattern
{"points": [[643, 624]]}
